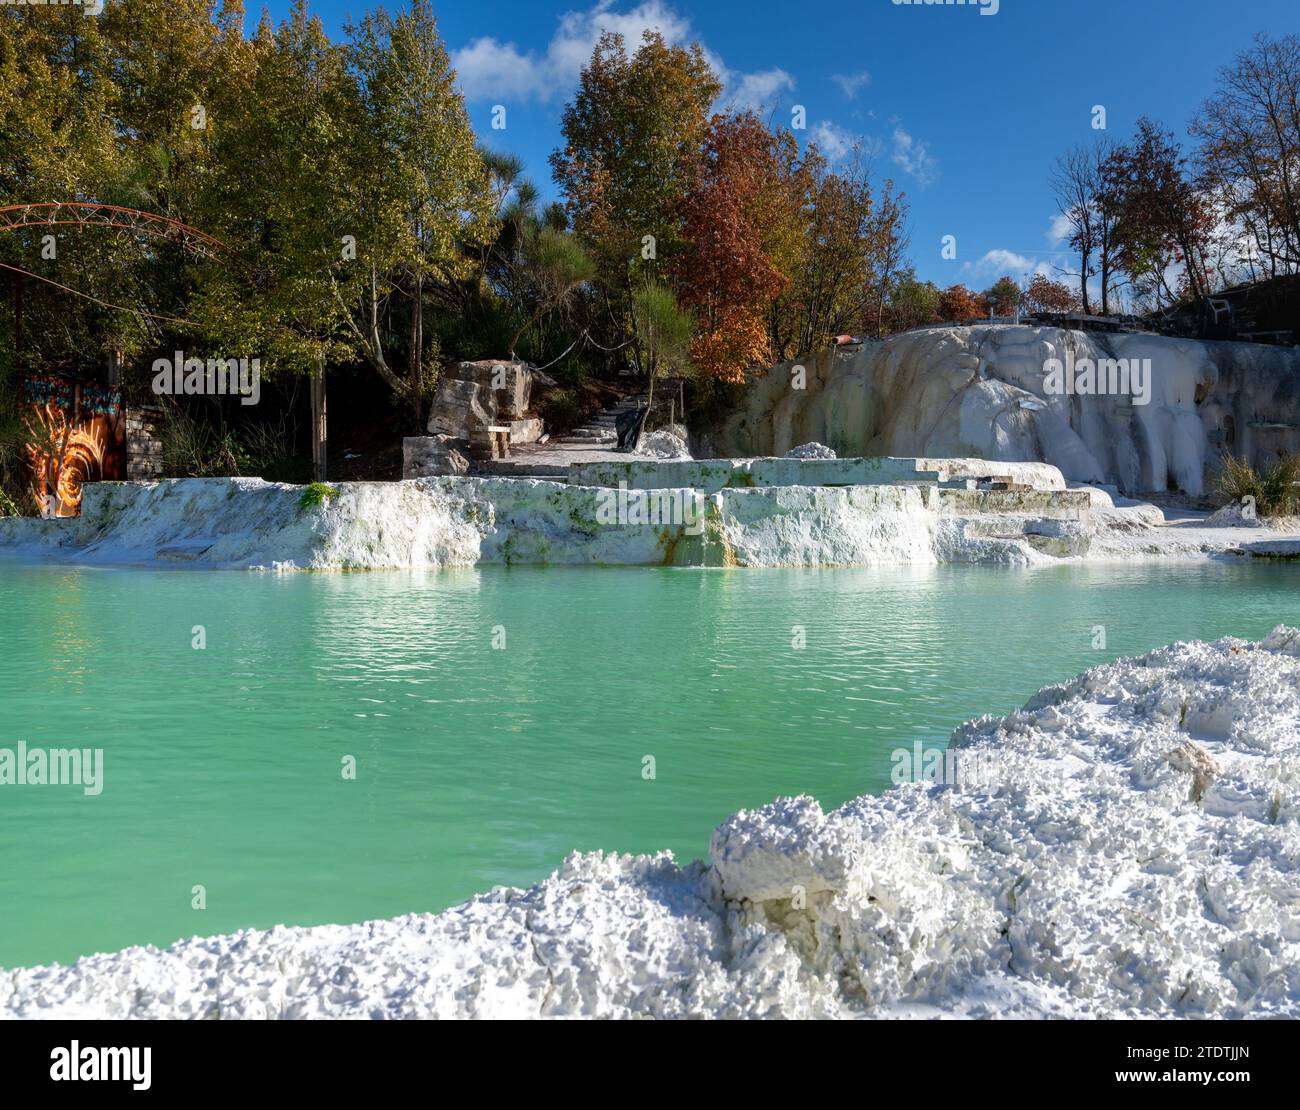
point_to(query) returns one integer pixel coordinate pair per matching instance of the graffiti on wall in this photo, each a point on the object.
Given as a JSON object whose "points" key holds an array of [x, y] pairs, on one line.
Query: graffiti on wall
{"points": [[78, 435]]}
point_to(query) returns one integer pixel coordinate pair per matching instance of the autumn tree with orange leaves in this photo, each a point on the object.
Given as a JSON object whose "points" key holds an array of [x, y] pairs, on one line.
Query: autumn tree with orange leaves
{"points": [[727, 276], [957, 303], [1046, 295]]}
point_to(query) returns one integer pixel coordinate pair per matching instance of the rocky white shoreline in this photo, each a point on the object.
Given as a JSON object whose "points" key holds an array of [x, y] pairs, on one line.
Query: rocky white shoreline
{"points": [[1132, 849], [246, 523]]}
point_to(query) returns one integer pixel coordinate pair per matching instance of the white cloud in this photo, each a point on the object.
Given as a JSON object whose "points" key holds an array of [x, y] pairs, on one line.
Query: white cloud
{"points": [[914, 158], [851, 83], [754, 90], [492, 70], [833, 140], [1000, 262], [1060, 230], [836, 142], [497, 71]]}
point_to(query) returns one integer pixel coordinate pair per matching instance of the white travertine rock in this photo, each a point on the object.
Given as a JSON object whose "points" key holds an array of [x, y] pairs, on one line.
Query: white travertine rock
{"points": [[1233, 516], [662, 444], [235, 523], [954, 392], [811, 451]]}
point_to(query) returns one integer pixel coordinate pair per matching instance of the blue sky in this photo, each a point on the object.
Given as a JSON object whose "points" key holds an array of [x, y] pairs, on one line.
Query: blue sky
{"points": [[965, 111]]}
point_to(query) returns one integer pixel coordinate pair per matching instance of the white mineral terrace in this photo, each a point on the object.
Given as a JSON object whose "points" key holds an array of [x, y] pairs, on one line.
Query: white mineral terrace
{"points": [[1130, 846], [989, 391], [733, 516]]}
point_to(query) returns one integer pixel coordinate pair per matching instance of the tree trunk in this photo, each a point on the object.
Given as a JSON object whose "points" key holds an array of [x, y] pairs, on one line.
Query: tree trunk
{"points": [[417, 354], [1084, 257], [650, 399], [319, 431]]}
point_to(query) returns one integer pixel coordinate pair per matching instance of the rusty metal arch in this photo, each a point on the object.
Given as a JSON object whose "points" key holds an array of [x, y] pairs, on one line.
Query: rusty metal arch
{"points": [[16, 217]]}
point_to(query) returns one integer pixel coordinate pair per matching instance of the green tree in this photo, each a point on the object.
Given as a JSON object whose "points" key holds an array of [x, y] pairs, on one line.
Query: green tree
{"points": [[418, 190], [631, 136], [911, 303], [1003, 296], [665, 332], [279, 142]]}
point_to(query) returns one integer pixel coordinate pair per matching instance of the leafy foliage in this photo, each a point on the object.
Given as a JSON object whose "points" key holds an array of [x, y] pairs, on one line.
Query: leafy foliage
{"points": [[1003, 296], [1275, 491], [315, 495], [957, 303], [1046, 295], [727, 276], [1161, 218]]}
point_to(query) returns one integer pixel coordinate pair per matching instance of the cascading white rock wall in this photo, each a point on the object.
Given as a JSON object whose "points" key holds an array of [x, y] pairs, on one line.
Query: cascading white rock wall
{"points": [[439, 522], [979, 391]]}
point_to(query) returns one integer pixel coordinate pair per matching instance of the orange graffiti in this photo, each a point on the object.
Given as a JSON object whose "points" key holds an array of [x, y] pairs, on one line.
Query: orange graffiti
{"points": [[67, 451]]}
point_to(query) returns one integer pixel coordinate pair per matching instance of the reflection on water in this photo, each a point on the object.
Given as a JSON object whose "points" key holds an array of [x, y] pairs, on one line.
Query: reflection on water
{"points": [[477, 764]]}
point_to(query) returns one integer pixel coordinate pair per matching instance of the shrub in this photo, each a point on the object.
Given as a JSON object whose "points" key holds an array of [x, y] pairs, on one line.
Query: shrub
{"points": [[193, 448], [8, 506], [1274, 491], [560, 409], [269, 452]]}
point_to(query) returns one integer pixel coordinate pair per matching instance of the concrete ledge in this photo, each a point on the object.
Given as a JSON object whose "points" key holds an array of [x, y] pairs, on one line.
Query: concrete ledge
{"points": [[1064, 504], [1036, 475], [1288, 550], [712, 475]]}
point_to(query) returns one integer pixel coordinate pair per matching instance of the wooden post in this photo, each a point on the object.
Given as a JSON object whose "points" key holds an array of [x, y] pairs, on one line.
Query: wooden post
{"points": [[319, 429], [18, 325]]}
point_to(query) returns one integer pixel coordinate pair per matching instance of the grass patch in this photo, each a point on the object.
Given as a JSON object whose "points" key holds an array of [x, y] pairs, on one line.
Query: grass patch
{"points": [[316, 495], [1274, 491]]}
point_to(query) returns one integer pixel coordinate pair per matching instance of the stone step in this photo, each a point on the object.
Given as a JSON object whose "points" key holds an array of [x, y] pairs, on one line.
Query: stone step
{"points": [[506, 468], [536, 476]]}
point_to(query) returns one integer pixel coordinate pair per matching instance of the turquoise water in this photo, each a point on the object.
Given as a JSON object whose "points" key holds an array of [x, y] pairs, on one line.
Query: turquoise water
{"points": [[478, 766]]}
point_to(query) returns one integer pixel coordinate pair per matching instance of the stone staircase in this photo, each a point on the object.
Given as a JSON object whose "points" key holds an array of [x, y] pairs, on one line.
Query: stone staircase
{"points": [[602, 428], [590, 442]]}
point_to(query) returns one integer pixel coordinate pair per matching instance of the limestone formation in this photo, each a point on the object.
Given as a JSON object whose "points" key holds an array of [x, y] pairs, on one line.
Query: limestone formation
{"points": [[434, 456], [811, 451], [987, 392], [473, 396], [662, 444]]}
